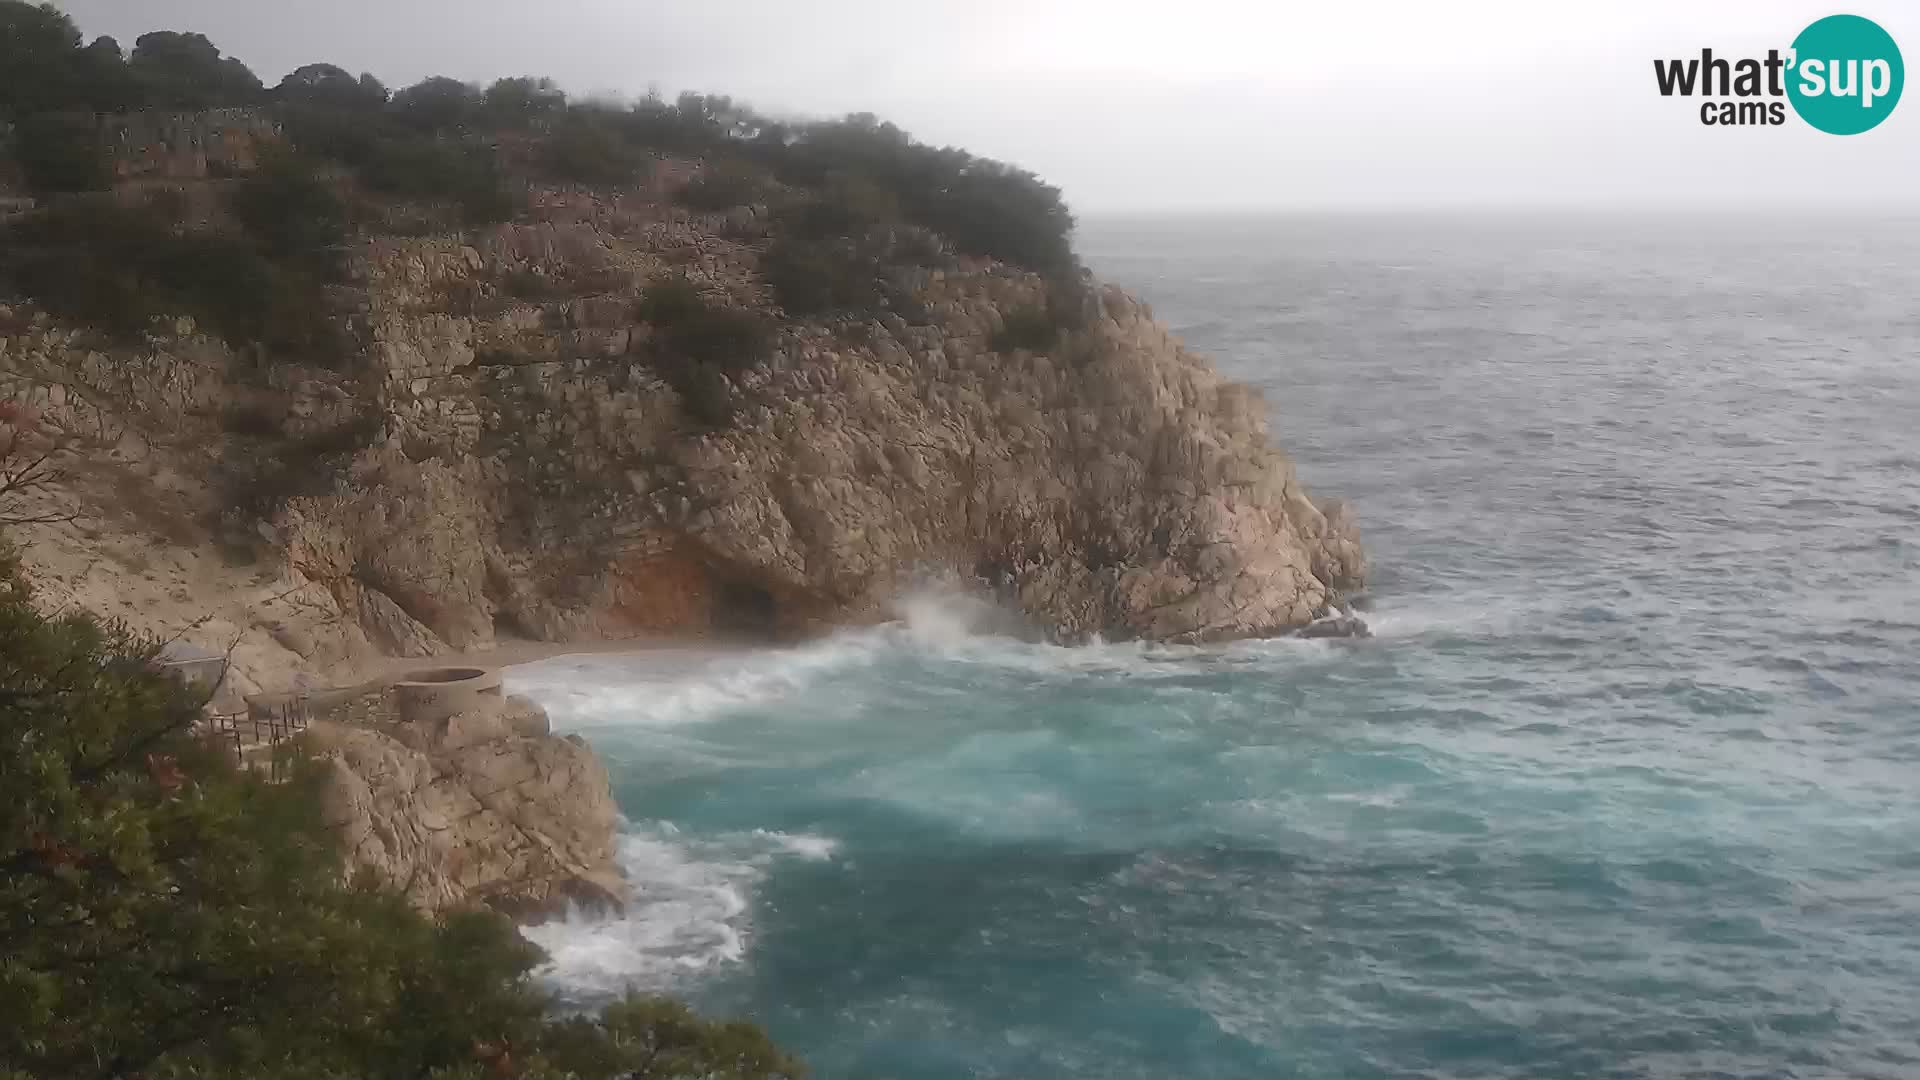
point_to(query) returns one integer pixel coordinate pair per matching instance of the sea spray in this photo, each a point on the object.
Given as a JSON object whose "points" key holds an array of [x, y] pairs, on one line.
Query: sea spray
{"points": [[1623, 787]]}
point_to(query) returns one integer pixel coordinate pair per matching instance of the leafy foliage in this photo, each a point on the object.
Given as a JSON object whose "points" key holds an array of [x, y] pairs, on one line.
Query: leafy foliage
{"points": [[587, 147], [468, 176], [522, 101], [58, 153], [116, 267], [840, 249], [687, 324], [648, 1036], [290, 208], [724, 185], [327, 86], [437, 104], [166, 915], [43, 67], [983, 207], [186, 71], [261, 467], [697, 345], [1026, 328]]}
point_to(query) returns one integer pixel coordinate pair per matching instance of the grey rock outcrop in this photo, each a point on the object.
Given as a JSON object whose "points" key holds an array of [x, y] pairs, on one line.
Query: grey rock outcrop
{"points": [[482, 808], [531, 473], [1111, 485], [1115, 485]]}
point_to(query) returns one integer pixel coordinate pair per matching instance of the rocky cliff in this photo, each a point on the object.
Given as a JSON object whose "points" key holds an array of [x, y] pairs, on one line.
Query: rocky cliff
{"points": [[505, 459], [485, 807]]}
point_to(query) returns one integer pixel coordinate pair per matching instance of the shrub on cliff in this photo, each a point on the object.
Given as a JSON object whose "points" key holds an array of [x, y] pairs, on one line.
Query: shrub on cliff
{"points": [[698, 346], [43, 68], [186, 71], [1026, 328], [521, 101], [261, 467], [116, 267], [60, 153], [291, 209], [332, 87], [825, 255], [689, 326], [163, 914], [724, 185], [984, 207], [438, 104], [587, 147], [467, 176]]}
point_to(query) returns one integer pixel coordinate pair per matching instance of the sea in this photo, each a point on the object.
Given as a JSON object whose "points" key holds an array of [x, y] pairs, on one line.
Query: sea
{"points": [[1627, 784]]}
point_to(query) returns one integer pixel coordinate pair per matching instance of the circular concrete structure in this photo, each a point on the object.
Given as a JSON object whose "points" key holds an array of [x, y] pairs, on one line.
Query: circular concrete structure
{"points": [[430, 695]]}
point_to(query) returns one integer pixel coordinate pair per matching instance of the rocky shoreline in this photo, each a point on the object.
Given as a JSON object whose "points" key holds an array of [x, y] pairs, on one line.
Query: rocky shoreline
{"points": [[506, 464], [481, 806]]}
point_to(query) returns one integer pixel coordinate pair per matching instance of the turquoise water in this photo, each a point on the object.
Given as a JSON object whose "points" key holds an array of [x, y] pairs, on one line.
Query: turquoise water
{"points": [[1626, 785]]}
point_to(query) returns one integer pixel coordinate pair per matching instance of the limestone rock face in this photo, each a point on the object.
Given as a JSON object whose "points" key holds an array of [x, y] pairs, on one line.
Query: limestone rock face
{"points": [[1115, 486], [536, 474], [1111, 485], [473, 811]]}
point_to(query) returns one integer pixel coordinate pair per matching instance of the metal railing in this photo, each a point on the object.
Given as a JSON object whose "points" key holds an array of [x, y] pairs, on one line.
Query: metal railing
{"points": [[261, 732]]}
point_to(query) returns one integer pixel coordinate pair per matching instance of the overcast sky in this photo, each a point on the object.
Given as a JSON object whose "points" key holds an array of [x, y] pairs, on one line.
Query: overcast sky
{"points": [[1171, 104]]}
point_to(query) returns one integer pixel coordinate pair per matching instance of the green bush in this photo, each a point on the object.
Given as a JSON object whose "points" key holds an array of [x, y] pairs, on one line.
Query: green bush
{"points": [[982, 206], [687, 325], [261, 467], [827, 253], [1030, 327], [698, 346], [186, 71], [80, 287], [812, 276], [438, 104], [723, 186], [115, 268], [588, 148], [167, 915], [60, 153], [291, 210], [427, 168], [521, 101]]}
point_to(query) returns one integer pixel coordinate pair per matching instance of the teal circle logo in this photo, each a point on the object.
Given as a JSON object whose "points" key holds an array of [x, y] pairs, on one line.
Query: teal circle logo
{"points": [[1846, 74]]}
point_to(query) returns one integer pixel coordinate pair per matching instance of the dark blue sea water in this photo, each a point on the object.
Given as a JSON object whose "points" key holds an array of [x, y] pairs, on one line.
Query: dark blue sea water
{"points": [[1628, 785]]}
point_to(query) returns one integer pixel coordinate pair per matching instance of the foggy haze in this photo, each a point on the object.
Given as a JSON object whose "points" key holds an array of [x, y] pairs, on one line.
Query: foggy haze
{"points": [[1164, 106]]}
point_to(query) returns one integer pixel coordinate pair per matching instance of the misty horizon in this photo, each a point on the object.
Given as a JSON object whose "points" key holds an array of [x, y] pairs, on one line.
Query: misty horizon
{"points": [[1228, 108]]}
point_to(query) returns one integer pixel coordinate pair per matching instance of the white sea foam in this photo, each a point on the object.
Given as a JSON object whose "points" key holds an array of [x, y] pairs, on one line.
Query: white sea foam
{"points": [[690, 911], [1419, 621], [655, 690], [670, 688]]}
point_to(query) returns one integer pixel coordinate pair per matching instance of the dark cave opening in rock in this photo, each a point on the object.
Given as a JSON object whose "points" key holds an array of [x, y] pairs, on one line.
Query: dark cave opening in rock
{"points": [[741, 607], [508, 627]]}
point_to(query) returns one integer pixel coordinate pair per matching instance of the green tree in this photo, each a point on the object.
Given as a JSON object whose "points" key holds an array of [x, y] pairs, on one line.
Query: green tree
{"points": [[290, 208], [37, 43], [520, 101], [332, 87], [588, 147], [103, 81], [61, 152], [186, 71], [699, 346], [164, 915], [437, 104]]}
